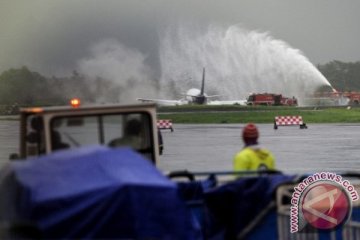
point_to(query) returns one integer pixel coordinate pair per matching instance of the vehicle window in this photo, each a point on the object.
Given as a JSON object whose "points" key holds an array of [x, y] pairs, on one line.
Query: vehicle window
{"points": [[131, 130], [113, 127], [35, 139], [114, 130], [74, 132]]}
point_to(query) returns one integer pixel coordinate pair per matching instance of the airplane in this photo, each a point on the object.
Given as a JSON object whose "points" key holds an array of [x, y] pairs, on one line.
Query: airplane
{"points": [[194, 96]]}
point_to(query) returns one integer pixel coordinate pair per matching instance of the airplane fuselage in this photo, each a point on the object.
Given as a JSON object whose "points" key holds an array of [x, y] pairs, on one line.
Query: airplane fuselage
{"points": [[200, 100], [194, 96]]}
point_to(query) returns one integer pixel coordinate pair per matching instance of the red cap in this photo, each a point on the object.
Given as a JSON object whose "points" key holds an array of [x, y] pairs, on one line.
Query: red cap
{"points": [[250, 131]]}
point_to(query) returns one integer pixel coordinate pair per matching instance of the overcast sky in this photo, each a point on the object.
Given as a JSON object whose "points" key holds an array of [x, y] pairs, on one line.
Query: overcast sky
{"points": [[51, 36]]}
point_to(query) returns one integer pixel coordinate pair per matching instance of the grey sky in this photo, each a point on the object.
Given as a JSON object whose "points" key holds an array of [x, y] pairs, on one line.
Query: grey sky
{"points": [[51, 36]]}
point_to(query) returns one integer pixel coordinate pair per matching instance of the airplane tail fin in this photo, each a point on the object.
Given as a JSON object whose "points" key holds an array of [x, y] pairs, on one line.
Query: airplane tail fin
{"points": [[203, 83]]}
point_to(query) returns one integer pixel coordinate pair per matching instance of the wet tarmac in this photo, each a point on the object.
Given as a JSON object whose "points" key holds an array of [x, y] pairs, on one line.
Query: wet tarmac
{"points": [[211, 147], [320, 147]]}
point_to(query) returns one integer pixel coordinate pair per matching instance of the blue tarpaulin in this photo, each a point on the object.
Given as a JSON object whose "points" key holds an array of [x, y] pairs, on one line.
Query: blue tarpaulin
{"points": [[98, 192]]}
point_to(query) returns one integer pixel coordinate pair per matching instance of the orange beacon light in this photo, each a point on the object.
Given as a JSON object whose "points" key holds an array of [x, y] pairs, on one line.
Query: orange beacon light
{"points": [[75, 102]]}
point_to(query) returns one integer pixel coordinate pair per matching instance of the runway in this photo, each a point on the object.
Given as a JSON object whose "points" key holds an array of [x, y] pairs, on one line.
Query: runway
{"points": [[211, 147]]}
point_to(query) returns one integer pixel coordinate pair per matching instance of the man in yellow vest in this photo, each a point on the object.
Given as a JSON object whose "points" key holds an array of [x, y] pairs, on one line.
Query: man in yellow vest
{"points": [[252, 157]]}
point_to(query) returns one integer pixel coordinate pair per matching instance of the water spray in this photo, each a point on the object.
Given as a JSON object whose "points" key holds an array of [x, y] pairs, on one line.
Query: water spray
{"points": [[237, 61]]}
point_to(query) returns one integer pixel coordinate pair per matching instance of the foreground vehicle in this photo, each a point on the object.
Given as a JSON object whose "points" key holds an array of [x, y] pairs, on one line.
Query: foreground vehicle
{"points": [[45, 130]]}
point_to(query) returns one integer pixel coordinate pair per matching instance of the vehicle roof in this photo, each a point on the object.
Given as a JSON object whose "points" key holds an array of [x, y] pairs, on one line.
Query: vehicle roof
{"points": [[84, 108]]}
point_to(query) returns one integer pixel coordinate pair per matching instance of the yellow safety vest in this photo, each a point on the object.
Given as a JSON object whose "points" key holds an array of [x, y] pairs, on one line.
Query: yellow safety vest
{"points": [[253, 159]]}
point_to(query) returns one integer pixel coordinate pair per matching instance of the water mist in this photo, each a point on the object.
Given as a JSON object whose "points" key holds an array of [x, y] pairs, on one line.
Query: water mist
{"points": [[237, 61]]}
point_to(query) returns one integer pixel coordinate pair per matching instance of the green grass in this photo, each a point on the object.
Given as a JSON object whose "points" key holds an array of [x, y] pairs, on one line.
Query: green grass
{"points": [[244, 114], [261, 115]]}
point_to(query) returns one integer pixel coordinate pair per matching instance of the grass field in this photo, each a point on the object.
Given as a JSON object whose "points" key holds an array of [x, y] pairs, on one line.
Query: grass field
{"points": [[241, 114], [245, 114]]}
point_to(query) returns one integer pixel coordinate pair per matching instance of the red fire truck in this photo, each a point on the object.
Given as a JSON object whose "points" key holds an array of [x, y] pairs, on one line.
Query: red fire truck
{"points": [[271, 99], [354, 97]]}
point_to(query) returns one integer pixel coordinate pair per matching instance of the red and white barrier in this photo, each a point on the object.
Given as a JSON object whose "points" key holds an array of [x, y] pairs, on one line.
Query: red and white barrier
{"points": [[165, 124], [289, 121]]}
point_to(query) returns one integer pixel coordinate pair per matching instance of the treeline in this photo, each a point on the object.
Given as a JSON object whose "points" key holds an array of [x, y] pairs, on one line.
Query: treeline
{"points": [[24, 87], [341, 75], [27, 88]]}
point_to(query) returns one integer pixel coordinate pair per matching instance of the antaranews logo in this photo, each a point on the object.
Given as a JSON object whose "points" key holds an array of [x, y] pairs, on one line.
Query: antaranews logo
{"points": [[322, 200]]}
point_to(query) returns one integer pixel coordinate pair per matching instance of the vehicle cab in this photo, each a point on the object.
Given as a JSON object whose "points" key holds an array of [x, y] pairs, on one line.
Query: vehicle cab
{"points": [[48, 129]]}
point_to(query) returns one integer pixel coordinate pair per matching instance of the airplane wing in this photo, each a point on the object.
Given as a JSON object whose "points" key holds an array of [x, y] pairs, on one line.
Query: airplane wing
{"points": [[211, 96], [164, 102], [228, 102]]}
